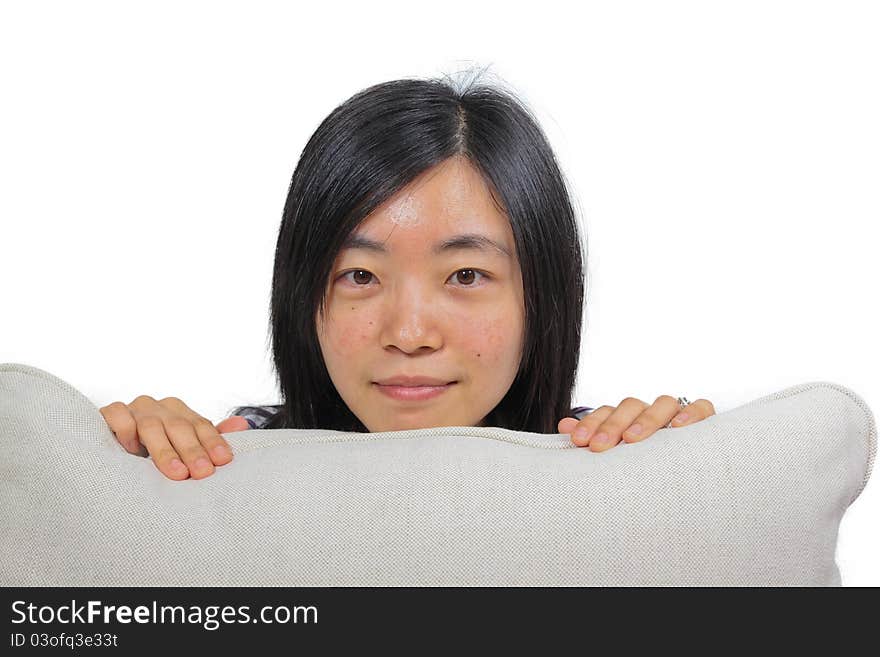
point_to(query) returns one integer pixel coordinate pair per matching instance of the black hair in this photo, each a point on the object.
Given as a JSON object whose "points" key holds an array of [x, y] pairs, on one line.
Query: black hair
{"points": [[368, 149]]}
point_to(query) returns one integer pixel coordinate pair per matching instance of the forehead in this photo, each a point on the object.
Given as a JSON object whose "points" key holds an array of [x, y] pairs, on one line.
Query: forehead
{"points": [[451, 200]]}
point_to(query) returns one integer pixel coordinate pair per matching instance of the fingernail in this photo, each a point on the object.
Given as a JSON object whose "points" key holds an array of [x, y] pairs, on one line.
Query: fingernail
{"points": [[581, 433], [221, 451], [635, 430], [176, 464], [600, 440], [681, 417]]}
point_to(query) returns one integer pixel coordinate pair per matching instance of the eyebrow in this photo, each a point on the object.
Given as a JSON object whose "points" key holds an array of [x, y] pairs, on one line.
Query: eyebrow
{"points": [[454, 243]]}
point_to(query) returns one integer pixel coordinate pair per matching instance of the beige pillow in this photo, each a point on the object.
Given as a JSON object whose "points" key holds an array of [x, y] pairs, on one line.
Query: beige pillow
{"points": [[750, 496]]}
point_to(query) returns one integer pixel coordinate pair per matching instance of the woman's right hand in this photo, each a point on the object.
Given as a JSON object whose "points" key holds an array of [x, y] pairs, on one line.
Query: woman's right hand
{"points": [[181, 442]]}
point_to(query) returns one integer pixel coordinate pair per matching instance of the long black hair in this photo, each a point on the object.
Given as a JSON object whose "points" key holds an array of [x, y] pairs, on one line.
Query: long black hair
{"points": [[364, 152]]}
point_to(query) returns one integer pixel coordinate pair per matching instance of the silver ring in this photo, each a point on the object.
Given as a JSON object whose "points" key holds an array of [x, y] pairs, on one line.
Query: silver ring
{"points": [[682, 402]]}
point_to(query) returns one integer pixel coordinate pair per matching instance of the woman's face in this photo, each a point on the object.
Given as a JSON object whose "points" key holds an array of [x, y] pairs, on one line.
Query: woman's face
{"points": [[409, 310]]}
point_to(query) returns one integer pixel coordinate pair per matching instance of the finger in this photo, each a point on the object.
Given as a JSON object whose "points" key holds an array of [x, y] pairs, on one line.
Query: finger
{"points": [[123, 425], [693, 412], [182, 434], [567, 424], [151, 432], [587, 425], [233, 424], [218, 450], [655, 417], [608, 433]]}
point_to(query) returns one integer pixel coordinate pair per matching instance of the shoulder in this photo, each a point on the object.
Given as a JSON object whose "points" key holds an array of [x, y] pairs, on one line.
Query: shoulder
{"points": [[256, 416], [580, 411]]}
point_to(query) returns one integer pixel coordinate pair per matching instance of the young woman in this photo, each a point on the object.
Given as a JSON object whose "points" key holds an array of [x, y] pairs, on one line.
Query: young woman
{"points": [[428, 272]]}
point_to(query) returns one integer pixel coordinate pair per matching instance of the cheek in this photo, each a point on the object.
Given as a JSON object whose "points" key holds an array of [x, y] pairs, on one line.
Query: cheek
{"points": [[488, 340], [349, 330]]}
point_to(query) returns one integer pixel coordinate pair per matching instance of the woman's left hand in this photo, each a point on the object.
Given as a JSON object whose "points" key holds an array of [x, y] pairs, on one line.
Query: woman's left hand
{"points": [[633, 420]]}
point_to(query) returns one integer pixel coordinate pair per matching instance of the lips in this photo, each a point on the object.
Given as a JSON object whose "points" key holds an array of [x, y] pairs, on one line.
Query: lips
{"points": [[413, 381], [413, 393]]}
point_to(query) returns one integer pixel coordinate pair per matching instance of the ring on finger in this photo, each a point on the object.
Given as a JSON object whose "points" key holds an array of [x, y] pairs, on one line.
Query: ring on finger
{"points": [[684, 403]]}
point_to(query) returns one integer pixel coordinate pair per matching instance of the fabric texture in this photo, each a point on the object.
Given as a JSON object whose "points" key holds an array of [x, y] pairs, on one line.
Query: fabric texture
{"points": [[748, 497]]}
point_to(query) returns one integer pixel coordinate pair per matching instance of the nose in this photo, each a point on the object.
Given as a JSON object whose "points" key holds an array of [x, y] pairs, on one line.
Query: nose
{"points": [[412, 323]]}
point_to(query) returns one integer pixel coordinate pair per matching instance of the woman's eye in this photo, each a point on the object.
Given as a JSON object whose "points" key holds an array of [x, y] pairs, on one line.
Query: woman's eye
{"points": [[362, 276], [357, 271], [472, 272]]}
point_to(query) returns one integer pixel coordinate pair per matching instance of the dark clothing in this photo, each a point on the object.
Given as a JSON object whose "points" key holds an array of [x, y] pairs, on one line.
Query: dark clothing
{"points": [[258, 416]]}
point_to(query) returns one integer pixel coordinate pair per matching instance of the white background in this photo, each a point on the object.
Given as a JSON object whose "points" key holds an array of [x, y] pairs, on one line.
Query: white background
{"points": [[723, 157]]}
